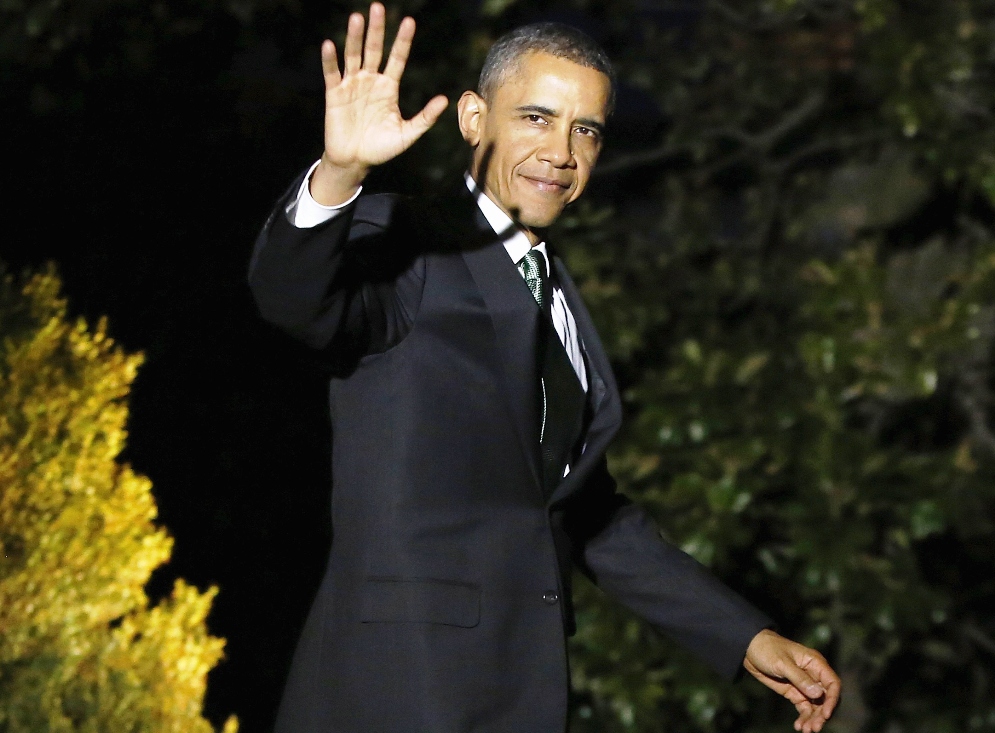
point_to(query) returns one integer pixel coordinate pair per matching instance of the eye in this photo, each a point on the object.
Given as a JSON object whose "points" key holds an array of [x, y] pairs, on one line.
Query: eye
{"points": [[587, 132], [534, 118]]}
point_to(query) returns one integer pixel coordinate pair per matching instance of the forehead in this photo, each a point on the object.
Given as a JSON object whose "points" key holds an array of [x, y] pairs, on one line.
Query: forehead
{"points": [[557, 83]]}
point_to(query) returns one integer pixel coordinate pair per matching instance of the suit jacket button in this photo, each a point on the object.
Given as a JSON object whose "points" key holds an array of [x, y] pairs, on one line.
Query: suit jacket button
{"points": [[550, 597]]}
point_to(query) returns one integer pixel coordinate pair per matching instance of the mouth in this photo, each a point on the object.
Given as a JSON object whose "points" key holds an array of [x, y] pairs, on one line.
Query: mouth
{"points": [[547, 185]]}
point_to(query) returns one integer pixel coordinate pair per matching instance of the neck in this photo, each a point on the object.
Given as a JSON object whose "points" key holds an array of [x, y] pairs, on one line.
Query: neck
{"points": [[533, 235]]}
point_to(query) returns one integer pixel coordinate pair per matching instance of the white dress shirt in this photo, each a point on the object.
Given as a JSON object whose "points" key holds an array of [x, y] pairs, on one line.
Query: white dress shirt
{"points": [[304, 212], [517, 245]]}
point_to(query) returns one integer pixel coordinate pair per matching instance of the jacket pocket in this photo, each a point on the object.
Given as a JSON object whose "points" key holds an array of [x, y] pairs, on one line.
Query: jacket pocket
{"points": [[420, 600]]}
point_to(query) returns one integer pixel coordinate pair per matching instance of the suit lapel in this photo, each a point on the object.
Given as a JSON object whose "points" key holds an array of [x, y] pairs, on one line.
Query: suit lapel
{"points": [[513, 314]]}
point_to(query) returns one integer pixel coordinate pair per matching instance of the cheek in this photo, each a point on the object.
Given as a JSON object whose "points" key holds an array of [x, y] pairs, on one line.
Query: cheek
{"points": [[585, 164], [587, 153], [504, 160], [519, 148], [583, 175]]}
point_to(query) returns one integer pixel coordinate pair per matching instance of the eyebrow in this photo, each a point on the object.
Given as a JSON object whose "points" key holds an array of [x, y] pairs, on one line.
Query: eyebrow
{"points": [[539, 109]]}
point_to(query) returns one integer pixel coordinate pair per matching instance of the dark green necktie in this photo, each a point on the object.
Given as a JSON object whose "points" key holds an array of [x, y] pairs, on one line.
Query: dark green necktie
{"points": [[533, 266], [562, 399]]}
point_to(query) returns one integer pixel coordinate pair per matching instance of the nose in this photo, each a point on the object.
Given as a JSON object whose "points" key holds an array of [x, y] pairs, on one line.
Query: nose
{"points": [[557, 150]]}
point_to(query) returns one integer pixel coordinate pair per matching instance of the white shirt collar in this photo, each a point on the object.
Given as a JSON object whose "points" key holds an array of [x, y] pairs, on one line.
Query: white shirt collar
{"points": [[517, 245]]}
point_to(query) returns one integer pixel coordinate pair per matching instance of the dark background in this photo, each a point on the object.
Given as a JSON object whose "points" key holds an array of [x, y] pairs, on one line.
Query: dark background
{"points": [[758, 151], [143, 162]]}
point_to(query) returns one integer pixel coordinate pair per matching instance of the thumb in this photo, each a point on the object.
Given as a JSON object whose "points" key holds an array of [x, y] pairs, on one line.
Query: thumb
{"points": [[421, 122], [802, 680]]}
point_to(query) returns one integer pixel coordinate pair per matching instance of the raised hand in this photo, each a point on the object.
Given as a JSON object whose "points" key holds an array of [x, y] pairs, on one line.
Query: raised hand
{"points": [[800, 674], [363, 124]]}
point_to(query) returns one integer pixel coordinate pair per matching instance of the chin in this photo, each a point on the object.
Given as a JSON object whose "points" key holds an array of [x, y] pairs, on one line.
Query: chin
{"points": [[539, 219]]}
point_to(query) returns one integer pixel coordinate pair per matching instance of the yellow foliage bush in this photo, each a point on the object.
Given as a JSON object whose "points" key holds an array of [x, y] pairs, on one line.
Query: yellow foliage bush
{"points": [[80, 647]]}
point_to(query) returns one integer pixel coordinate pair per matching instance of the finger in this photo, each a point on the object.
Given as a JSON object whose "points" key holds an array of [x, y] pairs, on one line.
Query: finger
{"points": [[790, 689], [832, 698], [330, 65], [802, 680], [373, 53], [818, 668], [831, 683], [354, 44], [774, 681], [400, 50], [813, 717], [421, 122], [794, 696], [819, 715], [811, 721], [804, 716]]}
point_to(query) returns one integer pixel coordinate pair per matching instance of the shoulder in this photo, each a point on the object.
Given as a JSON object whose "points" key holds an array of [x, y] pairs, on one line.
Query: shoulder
{"points": [[441, 220]]}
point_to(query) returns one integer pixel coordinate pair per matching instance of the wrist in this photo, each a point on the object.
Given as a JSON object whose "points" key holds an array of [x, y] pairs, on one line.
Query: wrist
{"points": [[332, 185]]}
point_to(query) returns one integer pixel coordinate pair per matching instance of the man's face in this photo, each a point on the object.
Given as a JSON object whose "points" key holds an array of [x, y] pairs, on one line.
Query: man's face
{"points": [[537, 139]]}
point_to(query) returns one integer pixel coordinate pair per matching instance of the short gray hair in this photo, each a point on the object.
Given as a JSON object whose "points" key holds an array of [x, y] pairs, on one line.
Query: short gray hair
{"points": [[555, 39]]}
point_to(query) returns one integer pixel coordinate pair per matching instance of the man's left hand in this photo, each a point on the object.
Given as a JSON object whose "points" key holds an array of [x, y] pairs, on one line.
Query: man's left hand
{"points": [[800, 674]]}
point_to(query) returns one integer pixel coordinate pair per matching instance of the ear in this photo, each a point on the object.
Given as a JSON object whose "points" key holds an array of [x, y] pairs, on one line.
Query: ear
{"points": [[470, 112]]}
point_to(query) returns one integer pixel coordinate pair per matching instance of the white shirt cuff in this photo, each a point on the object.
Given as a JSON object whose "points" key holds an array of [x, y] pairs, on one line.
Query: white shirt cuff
{"points": [[304, 212]]}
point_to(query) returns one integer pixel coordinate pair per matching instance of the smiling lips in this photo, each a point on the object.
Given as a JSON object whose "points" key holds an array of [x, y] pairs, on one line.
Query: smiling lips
{"points": [[547, 185]]}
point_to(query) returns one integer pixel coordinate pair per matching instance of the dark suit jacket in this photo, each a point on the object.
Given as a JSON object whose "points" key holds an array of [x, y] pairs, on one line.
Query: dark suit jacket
{"points": [[445, 606]]}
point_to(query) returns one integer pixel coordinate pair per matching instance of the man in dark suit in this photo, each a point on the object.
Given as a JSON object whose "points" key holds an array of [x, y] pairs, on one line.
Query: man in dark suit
{"points": [[471, 406]]}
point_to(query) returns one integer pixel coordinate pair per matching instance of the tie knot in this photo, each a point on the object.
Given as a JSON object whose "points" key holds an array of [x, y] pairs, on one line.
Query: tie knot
{"points": [[534, 270]]}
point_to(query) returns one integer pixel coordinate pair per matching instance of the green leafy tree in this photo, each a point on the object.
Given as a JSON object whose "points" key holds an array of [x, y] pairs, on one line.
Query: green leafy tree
{"points": [[802, 317], [80, 647]]}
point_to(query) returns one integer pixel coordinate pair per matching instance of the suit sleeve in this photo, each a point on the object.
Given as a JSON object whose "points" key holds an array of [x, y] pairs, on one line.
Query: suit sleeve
{"points": [[348, 286], [620, 548]]}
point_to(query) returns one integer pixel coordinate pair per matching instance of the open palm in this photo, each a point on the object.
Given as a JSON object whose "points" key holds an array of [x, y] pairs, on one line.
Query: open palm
{"points": [[363, 124]]}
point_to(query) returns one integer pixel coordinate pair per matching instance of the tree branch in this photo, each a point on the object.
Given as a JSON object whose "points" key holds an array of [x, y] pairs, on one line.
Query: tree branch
{"points": [[978, 636], [821, 147], [739, 19], [791, 120], [628, 161], [973, 398], [760, 143]]}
